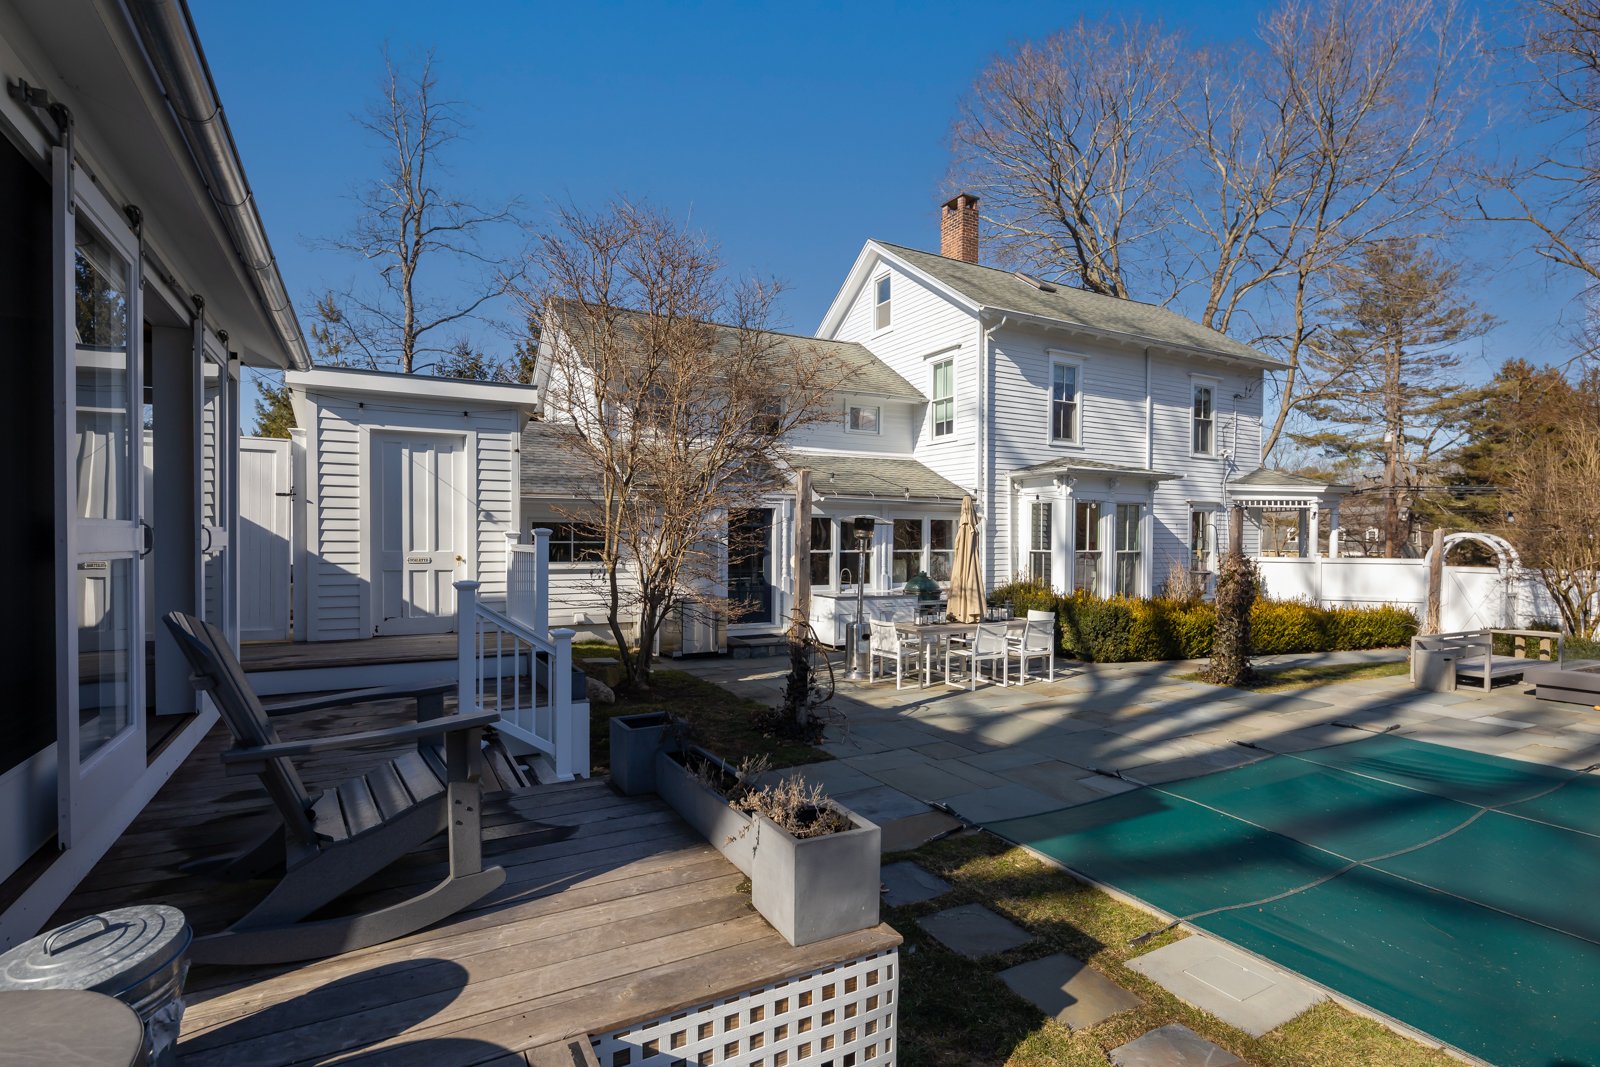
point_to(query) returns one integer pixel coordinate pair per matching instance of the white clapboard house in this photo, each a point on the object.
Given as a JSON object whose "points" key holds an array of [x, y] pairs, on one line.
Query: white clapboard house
{"points": [[137, 280], [1101, 441]]}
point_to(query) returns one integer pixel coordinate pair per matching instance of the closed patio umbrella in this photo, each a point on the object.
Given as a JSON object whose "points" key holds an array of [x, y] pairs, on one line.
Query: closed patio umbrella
{"points": [[966, 587]]}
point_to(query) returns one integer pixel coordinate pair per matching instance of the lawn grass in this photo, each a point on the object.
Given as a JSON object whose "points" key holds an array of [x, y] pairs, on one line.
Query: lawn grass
{"points": [[719, 720], [1288, 679], [955, 1011]]}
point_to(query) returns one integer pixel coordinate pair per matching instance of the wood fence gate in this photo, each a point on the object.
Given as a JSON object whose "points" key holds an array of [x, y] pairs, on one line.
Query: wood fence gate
{"points": [[266, 492]]}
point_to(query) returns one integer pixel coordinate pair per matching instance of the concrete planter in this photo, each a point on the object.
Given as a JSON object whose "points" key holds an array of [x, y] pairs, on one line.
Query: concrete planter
{"points": [[705, 809], [635, 740], [809, 889], [814, 888]]}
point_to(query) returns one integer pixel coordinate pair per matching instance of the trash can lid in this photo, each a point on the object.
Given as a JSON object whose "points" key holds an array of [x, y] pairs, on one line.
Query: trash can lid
{"points": [[105, 952]]}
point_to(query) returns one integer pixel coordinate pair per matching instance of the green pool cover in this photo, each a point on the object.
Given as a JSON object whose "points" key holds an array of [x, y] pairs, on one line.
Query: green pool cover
{"points": [[1456, 892]]}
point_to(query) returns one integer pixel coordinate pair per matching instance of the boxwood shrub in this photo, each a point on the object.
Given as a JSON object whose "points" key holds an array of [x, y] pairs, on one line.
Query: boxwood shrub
{"points": [[1123, 629]]}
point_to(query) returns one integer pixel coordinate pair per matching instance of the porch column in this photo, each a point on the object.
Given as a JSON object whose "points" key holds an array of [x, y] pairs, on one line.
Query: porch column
{"points": [[1061, 554], [1334, 533], [1314, 541], [1147, 543], [1108, 547], [1303, 534]]}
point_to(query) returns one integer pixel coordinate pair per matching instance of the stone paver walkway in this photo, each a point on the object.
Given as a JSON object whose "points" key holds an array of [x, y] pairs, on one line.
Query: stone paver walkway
{"points": [[1000, 753]]}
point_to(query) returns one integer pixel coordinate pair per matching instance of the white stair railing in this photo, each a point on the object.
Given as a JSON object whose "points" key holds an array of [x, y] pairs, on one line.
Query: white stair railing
{"points": [[525, 674]]}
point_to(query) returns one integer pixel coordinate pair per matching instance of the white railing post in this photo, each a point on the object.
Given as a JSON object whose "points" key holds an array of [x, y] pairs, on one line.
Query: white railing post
{"points": [[466, 646], [541, 582], [562, 717]]}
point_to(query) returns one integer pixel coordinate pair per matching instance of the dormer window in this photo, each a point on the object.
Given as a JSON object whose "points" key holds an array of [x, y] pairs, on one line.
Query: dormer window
{"points": [[861, 418], [880, 312]]}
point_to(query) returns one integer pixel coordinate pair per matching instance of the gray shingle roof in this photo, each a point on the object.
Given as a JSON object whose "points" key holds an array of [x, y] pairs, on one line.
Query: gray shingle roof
{"points": [[1002, 290], [1268, 478], [860, 370], [882, 477], [550, 470], [1068, 464]]}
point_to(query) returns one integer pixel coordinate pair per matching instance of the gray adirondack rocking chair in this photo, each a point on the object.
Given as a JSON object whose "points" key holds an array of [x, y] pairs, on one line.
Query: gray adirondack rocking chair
{"points": [[331, 842]]}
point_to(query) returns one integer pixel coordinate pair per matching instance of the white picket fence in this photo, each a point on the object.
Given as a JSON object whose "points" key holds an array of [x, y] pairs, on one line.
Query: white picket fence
{"points": [[512, 663]]}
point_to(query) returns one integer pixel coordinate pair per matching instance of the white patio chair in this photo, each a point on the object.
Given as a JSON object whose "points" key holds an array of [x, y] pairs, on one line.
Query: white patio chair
{"points": [[988, 646], [1037, 641], [886, 642], [1046, 618]]}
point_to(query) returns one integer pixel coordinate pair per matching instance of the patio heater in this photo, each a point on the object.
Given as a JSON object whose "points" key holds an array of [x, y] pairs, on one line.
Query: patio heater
{"points": [[852, 630]]}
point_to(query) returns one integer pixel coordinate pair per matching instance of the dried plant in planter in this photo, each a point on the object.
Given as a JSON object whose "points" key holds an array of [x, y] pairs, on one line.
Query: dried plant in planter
{"points": [[801, 809]]}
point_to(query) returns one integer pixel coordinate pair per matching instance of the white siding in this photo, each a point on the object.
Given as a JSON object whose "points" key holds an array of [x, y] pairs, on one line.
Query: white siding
{"points": [[924, 322], [339, 599], [899, 424]]}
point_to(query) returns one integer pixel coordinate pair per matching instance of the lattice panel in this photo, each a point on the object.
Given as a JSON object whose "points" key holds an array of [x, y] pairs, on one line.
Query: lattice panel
{"points": [[843, 1016]]}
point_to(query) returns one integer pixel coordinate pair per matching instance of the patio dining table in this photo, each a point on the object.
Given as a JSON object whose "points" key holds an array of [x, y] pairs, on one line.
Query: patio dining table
{"points": [[933, 634]]}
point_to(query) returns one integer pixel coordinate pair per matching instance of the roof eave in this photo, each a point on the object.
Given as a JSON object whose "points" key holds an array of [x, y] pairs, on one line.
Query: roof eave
{"points": [[1051, 322]]}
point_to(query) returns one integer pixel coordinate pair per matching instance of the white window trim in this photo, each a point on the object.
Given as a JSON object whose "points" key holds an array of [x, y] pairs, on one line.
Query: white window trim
{"points": [[1197, 381], [933, 400], [859, 406], [876, 303], [1077, 364], [927, 550], [1215, 511]]}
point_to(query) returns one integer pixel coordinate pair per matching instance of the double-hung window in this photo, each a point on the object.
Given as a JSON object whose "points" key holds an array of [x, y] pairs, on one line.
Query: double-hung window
{"points": [[1203, 429], [851, 558], [1063, 402], [1129, 549], [1202, 542], [1039, 541], [944, 398], [1087, 576], [821, 552], [941, 548], [926, 545], [880, 304]]}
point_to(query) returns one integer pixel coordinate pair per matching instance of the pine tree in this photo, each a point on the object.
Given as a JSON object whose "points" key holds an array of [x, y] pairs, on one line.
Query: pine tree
{"points": [[1395, 356], [274, 415]]}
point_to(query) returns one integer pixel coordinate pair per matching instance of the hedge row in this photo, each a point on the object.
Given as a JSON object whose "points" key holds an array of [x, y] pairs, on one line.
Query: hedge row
{"points": [[1123, 629]]}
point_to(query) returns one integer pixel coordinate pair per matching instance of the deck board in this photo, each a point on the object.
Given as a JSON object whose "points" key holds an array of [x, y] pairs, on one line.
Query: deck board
{"points": [[632, 917]]}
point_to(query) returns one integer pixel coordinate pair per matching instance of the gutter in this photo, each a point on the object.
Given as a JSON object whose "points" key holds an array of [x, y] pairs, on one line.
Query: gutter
{"points": [[172, 48], [1260, 361]]}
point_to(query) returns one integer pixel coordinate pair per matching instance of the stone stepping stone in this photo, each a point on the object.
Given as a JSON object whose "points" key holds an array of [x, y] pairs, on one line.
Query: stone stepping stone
{"points": [[1232, 985], [1173, 1046], [914, 831], [881, 803], [906, 883], [1069, 990], [974, 931]]}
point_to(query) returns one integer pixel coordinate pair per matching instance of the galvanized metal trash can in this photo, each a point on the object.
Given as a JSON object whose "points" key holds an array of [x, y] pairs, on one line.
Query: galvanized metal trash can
{"points": [[139, 955]]}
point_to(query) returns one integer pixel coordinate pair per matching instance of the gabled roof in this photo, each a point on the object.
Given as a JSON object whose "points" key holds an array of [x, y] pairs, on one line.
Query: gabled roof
{"points": [[1002, 291], [1269, 480], [861, 371], [874, 477], [1070, 464], [549, 469]]}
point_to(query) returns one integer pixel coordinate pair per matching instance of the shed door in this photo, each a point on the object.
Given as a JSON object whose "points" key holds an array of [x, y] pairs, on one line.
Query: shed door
{"points": [[265, 544], [421, 536]]}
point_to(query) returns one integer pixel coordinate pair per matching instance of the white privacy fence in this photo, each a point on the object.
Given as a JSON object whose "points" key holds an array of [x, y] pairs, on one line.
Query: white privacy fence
{"points": [[512, 663], [1471, 597]]}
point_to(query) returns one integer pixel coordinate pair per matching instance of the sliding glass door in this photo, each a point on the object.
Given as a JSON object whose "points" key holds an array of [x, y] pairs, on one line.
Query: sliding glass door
{"points": [[100, 738]]}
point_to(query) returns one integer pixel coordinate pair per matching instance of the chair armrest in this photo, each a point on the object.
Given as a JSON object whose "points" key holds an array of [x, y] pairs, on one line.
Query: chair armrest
{"points": [[358, 696], [449, 724]]}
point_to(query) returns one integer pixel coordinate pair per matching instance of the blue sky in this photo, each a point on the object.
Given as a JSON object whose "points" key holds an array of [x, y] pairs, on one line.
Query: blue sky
{"points": [[790, 132]]}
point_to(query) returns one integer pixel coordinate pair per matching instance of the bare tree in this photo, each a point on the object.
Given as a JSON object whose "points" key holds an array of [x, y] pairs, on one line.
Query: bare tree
{"points": [[1556, 194], [408, 226], [1234, 179], [671, 402], [1553, 497], [1068, 143]]}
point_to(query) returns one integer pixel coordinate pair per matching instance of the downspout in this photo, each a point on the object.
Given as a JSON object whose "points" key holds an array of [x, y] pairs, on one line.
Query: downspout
{"points": [[984, 471], [1149, 417], [172, 49]]}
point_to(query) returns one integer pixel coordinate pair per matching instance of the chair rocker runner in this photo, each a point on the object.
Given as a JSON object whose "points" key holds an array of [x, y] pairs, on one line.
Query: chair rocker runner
{"points": [[331, 842]]}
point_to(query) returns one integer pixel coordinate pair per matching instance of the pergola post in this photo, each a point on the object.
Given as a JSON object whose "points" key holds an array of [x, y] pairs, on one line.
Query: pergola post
{"points": [[1314, 533]]}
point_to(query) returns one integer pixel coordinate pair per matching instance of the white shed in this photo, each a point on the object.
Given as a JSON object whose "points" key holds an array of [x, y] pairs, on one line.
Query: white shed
{"points": [[410, 483]]}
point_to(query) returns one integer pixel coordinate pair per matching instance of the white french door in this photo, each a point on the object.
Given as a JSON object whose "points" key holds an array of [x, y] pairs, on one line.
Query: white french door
{"points": [[100, 417]]}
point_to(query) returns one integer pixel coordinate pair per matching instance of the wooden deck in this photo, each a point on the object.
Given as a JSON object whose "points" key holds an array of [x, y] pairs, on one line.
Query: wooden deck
{"points": [[303, 655], [631, 918]]}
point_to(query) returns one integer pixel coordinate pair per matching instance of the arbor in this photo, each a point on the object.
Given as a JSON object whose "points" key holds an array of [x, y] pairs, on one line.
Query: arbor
{"points": [[670, 400], [1396, 400], [412, 228], [1235, 181]]}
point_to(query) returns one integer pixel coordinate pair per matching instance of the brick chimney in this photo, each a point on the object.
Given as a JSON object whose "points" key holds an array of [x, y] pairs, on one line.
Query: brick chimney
{"points": [[958, 228]]}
